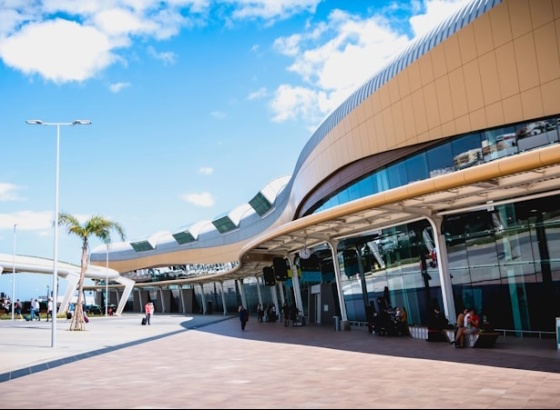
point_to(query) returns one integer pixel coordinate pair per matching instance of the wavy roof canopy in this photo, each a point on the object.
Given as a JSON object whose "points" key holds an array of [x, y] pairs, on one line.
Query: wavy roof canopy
{"points": [[241, 227]]}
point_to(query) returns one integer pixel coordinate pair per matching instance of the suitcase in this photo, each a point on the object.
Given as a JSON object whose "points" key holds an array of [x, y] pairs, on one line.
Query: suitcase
{"points": [[144, 321]]}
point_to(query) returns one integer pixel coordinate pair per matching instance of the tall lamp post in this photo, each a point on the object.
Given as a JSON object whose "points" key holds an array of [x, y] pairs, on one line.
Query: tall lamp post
{"points": [[55, 260], [106, 278], [14, 276]]}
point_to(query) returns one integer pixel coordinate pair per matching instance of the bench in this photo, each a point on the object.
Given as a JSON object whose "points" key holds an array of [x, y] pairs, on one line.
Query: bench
{"points": [[483, 339]]}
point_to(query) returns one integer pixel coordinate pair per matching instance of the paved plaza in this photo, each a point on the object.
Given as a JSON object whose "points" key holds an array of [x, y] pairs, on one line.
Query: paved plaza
{"points": [[209, 362]]}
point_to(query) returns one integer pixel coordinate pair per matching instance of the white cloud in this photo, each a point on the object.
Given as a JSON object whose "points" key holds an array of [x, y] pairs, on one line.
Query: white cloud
{"points": [[8, 192], [27, 220], [86, 41], [270, 9], [117, 87], [334, 58], [204, 199], [436, 11], [259, 94], [206, 170], [168, 57], [58, 50]]}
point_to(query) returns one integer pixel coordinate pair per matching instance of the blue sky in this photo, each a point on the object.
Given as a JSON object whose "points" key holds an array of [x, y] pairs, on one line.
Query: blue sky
{"points": [[195, 105]]}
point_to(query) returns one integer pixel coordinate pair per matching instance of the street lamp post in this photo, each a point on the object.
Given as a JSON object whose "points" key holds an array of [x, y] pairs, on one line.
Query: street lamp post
{"points": [[14, 277], [106, 279], [55, 261]]}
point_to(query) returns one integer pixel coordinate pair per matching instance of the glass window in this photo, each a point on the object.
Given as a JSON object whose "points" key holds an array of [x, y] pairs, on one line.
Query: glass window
{"points": [[440, 160], [397, 175], [467, 151], [498, 143], [380, 181], [417, 168]]}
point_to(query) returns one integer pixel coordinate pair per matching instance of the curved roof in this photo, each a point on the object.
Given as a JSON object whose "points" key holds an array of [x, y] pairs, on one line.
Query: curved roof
{"points": [[239, 229]]}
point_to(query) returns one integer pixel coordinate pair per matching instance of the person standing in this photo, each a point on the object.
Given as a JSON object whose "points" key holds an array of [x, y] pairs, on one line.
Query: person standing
{"points": [[32, 310], [260, 312], [243, 316], [17, 309], [148, 309], [49, 308]]}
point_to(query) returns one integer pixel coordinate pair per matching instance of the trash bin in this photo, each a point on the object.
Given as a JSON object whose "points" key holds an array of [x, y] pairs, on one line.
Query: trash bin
{"points": [[336, 320], [209, 307]]}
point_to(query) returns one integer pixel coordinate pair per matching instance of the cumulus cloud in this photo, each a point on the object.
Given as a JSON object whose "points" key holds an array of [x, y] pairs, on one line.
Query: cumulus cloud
{"points": [[89, 37], [206, 170], [27, 220], [333, 58], [118, 87], [167, 57], [269, 10], [204, 199], [8, 192]]}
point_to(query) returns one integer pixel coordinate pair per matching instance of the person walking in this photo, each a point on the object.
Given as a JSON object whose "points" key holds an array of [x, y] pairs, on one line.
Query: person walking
{"points": [[148, 309], [49, 308], [243, 316], [17, 309]]}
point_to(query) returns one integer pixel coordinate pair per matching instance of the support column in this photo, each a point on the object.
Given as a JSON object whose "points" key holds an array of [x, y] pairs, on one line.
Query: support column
{"points": [[182, 297], [259, 290], [203, 298], [295, 283], [223, 297], [281, 291], [242, 292], [443, 267], [275, 299], [334, 251]]}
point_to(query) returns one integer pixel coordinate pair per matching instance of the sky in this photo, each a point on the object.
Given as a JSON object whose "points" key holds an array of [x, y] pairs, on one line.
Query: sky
{"points": [[195, 105]]}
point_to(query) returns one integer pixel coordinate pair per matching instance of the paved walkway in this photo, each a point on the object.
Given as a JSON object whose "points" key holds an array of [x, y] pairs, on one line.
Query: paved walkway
{"points": [[208, 362]]}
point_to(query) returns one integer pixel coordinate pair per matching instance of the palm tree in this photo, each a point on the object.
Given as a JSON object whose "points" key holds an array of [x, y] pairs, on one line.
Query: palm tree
{"points": [[95, 226]]}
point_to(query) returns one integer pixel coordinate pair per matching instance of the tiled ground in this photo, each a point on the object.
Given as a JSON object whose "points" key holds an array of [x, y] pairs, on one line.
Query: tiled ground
{"points": [[209, 362]]}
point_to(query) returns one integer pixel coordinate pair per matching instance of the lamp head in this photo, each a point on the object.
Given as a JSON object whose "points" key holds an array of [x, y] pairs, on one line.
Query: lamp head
{"points": [[34, 122], [81, 122]]}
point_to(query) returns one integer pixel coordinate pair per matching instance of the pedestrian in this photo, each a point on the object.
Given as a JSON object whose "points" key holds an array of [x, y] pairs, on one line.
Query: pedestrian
{"points": [[286, 313], [49, 308], [17, 309], [148, 309], [243, 316], [260, 312]]}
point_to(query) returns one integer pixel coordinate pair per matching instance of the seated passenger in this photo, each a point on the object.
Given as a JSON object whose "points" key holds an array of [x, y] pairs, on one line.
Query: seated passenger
{"points": [[471, 326]]}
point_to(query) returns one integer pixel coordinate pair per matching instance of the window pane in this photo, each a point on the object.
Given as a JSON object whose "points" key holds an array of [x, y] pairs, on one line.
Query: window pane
{"points": [[440, 160]]}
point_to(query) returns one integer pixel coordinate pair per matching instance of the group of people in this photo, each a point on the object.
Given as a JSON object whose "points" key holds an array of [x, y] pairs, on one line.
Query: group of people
{"points": [[267, 315], [468, 323], [387, 320]]}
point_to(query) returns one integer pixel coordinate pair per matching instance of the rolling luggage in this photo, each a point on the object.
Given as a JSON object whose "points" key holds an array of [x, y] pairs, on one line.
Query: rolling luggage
{"points": [[144, 321]]}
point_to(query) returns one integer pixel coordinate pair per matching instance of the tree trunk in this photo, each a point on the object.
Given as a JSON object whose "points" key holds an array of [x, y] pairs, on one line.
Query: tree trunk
{"points": [[78, 322]]}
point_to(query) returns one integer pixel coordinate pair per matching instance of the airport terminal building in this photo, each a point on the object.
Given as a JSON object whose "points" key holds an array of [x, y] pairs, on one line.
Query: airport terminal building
{"points": [[434, 183]]}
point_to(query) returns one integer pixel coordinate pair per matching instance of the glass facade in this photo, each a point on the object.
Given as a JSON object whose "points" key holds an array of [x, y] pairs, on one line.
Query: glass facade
{"points": [[455, 154], [504, 261]]}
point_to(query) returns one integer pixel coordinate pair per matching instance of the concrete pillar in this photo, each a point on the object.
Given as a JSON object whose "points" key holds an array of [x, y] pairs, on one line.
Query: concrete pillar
{"points": [[242, 293], [259, 289], [203, 298], [223, 297], [295, 283], [333, 245], [443, 266]]}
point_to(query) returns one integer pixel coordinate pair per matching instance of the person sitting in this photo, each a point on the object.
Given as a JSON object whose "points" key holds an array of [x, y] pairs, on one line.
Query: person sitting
{"points": [[471, 325]]}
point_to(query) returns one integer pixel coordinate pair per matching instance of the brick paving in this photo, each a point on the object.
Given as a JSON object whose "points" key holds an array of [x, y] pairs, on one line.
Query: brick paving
{"points": [[209, 362]]}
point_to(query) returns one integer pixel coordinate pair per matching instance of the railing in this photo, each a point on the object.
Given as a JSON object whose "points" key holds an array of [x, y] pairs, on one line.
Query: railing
{"points": [[523, 333]]}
